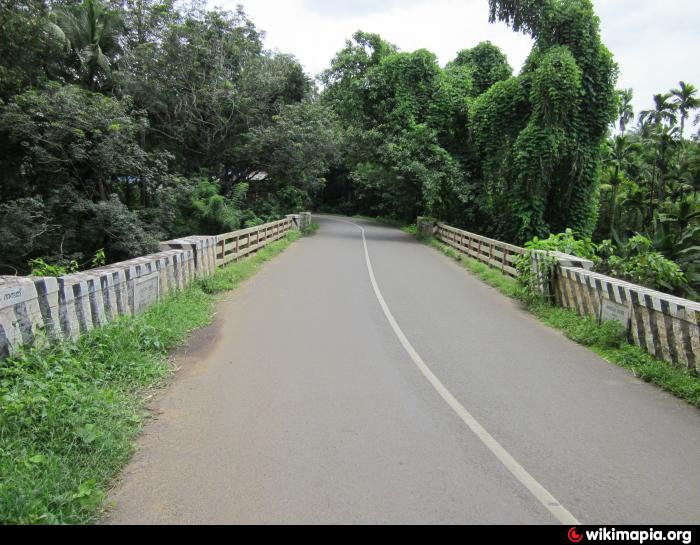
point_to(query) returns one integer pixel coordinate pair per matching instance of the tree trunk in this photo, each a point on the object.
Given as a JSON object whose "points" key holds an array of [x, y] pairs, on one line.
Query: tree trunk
{"points": [[613, 203], [144, 182], [101, 188], [127, 194]]}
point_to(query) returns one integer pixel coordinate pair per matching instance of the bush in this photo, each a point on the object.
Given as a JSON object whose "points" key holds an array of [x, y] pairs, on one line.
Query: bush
{"points": [[535, 280], [566, 243], [637, 262]]}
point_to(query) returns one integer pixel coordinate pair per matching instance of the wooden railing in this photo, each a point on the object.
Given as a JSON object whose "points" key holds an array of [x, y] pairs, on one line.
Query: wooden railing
{"points": [[494, 253], [233, 246]]}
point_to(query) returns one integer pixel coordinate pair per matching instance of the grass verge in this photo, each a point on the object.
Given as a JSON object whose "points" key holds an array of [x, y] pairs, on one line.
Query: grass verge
{"points": [[606, 340], [311, 229], [69, 413]]}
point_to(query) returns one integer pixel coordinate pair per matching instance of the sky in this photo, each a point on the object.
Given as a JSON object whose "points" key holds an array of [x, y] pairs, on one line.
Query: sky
{"points": [[655, 43]]}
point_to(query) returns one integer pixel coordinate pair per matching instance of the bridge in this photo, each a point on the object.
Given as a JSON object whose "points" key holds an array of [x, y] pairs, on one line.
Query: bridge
{"points": [[363, 377]]}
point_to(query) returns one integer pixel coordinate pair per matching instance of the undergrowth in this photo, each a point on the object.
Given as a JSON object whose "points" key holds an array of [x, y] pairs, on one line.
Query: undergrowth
{"points": [[310, 230]]}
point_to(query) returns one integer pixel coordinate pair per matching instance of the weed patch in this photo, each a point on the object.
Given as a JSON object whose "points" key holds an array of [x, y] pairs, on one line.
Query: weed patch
{"points": [[310, 230]]}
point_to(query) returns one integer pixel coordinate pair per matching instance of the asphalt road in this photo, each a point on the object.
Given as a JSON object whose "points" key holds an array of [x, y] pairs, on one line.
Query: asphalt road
{"points": [[302, 404]]}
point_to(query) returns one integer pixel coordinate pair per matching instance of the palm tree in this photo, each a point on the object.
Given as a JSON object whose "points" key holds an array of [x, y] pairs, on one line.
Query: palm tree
{"points": [[667, 143], [686, 101], [664, 111], [635, 203], [625, 110], [92, 33], [620, 159], [660, 121]]}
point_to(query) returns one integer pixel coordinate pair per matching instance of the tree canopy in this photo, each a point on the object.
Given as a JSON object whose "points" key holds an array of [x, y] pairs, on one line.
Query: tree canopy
{"points": [[124, 122]]}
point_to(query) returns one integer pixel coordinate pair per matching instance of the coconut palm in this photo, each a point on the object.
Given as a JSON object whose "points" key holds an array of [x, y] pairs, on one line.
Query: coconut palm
{"points": [[92, 32], [685, 100]]}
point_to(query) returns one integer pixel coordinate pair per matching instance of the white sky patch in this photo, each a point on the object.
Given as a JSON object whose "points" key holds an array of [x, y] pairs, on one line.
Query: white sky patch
{"points": [[655, 43]]}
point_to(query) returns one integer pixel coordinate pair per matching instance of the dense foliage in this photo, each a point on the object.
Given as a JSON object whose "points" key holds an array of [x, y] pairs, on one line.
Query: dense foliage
{"points": [[648, 229], [126, 122], [649, 202], [510, 156], [525, 156]]}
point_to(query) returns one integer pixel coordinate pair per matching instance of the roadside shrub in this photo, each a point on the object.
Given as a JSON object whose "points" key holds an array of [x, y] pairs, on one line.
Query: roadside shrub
{"points": [[637, 262]]}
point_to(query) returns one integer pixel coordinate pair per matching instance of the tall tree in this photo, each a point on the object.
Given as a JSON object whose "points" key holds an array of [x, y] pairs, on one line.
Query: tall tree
{"points": [[661, 119], [540, 134], [663, 112], [620, 159], [92, 32], [625, 111], [30, 51], [686, 101]]}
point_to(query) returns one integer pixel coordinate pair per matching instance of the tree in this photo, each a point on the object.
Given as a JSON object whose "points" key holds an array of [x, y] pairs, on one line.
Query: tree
{"points": [[657, 189], [92, 32], [662, 126], [195, 83], [540, 134], [30, 52], [685, 100], [664, 111], [71, 149], [619, 159], [486, 65], [397, 109], [344, 80], [125, 122], [625, 110], [295, 151]]}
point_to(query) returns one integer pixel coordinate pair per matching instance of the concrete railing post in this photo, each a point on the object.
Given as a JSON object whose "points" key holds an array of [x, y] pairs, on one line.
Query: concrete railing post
{"points": [[20, 314], [204, 249], [304, 220], [426, 226], [295, 219], [544, 266]]}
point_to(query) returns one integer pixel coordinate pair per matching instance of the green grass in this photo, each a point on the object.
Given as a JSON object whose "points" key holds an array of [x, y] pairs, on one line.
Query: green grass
{"points": [[69, 414], [311, 229], [606, 340]]}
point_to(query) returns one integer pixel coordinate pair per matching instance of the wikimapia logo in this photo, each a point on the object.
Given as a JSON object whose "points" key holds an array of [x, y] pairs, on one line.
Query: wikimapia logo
{"points": [[574, 536], [632, 536]]}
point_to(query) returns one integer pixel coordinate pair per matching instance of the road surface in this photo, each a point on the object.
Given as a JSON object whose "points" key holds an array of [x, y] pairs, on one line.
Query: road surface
{"points": [[406, 391]]}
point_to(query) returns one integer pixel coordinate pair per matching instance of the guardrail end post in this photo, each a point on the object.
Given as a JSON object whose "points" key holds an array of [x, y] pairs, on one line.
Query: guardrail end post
{"points": [[304, 221], [426, 226]]}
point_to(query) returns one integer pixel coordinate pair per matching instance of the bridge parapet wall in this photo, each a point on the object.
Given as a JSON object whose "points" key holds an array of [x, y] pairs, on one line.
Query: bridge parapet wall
{"points": [[666, 326], [39, 309]]}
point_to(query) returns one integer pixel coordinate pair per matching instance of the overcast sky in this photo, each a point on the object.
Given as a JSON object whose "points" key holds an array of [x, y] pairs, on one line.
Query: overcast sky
{"points": [[655, 42]]}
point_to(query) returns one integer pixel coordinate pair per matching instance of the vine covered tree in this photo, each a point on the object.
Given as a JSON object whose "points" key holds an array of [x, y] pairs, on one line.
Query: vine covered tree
{"points": [[540, 134]]}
